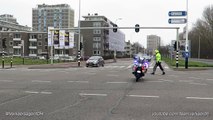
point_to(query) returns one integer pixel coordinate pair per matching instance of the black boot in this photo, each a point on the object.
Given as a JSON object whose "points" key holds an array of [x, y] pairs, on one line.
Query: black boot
{"points": [[163, 73], [152, 73]]}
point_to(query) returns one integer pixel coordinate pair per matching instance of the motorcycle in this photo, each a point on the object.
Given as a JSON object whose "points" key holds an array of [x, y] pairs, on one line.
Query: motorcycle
{"points": [[139, 69]]}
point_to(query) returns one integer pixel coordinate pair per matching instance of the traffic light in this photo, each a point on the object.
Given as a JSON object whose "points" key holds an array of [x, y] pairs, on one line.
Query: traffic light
{"points": [[175, 45], [81, 45], [137, 28], [4, 43], [115, 28]]}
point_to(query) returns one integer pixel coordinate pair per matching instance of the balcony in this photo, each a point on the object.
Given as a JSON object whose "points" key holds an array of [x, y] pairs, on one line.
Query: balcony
{"points": [[33, 40], [16, 39], [32, 47], [16, 47], [32, 55]]}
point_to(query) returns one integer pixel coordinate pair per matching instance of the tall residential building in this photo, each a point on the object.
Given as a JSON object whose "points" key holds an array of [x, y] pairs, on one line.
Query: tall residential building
{"points": [[57, 16], [153, 42], [9, 23], [101, 41]]}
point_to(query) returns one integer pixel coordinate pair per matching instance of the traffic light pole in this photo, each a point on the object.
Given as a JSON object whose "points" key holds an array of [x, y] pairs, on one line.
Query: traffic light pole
{"points": [[177, 50], [3, 58]]}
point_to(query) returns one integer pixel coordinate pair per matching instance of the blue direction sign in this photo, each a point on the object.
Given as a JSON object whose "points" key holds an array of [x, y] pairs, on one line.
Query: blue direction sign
{"points": [[177, 13], [177, 20]]}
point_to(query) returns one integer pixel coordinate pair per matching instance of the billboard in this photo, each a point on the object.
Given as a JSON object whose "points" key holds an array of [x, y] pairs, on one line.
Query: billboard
{"points": [[62, 38], [50, 36], [56, 37]]}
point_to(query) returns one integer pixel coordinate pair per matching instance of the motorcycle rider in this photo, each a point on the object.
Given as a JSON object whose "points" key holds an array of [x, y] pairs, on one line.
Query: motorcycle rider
{"points": [[158, 62]]}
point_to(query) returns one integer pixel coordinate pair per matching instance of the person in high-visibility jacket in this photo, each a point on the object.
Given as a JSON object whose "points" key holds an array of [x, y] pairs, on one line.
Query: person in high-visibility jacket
{"points": [[158, 63]]}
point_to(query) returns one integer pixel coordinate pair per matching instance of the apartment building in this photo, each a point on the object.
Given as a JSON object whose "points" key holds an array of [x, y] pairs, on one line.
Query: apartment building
{"points": [[30, 44], [57, 16], [101, 41], [153, 42], [9, 23]]}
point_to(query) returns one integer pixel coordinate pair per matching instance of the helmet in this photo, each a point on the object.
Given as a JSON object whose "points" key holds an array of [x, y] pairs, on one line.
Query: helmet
{"points": [[156, 51]]}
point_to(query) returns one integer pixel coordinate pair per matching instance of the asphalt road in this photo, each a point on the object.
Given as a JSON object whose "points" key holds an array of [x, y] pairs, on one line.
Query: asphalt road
{"points": [[105, 93]]}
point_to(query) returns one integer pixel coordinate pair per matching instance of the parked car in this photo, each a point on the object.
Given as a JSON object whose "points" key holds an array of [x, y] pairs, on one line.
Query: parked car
{"points": [[95, 61]]}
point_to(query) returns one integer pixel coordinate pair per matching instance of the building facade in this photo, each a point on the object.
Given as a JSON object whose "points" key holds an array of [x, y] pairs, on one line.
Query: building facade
{"points": [[153, 42], [9, 23], [30, 44], [57, 16], [101, 42]]}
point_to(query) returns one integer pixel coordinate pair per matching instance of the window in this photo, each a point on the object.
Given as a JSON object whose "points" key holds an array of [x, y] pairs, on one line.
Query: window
{"points": [[46, 47], [39, 51], [17, 35], [97, 45], [96, 24], [39, 36], [11, 43], [96, 52], [39, 43], [96, 38], [96, 31], [33, 36]]}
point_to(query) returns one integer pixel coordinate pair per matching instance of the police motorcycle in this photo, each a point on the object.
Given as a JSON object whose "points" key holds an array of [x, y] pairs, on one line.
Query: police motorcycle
{"points": [[139, 68]]}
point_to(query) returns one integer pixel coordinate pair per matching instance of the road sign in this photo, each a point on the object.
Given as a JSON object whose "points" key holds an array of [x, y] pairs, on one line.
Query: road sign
{"points": [[177, 13], [177, 20]]}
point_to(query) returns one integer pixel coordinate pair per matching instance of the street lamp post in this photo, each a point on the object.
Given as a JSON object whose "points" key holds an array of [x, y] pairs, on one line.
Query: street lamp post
{"points": [[115, 48], [186, 47]]}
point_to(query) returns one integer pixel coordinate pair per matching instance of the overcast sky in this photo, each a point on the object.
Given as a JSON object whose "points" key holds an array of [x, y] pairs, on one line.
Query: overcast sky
{"points": [[147, 13]]}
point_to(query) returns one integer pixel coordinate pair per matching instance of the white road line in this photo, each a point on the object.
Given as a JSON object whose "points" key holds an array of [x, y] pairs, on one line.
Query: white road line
{"points": [[199, 98], [78, 81], [197, 83], [209, 79], [41, 81], [129, 66], [116, 82], [85, 94], [154, 81], [31, 92], [46, 93], [143, 96], [166, 80], [6, 81]]}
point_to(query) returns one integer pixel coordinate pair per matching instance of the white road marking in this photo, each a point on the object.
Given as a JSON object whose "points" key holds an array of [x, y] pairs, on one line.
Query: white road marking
{"points": [[117, 82], [32, 92], [41, 81], [143, 96], [78, 81], [199, 98], [129, 66], [166, 80], [35, 92], [85, 94], [154, 81], [197, 83], [46, 93], [6, 81]]}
